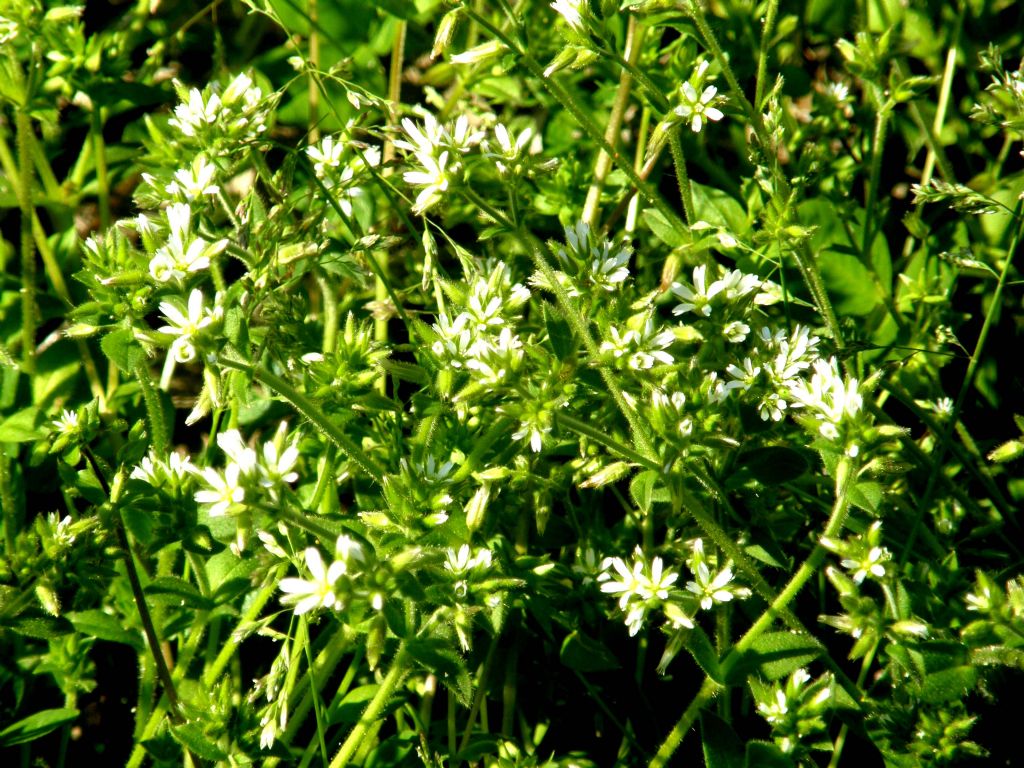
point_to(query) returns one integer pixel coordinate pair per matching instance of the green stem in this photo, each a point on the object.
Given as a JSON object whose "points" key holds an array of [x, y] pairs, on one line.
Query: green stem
{"points": [[399, 669], [846, 473], [102, 176], [634, 38], [762, 59], [875, 171], [683, 179], [29, 304], [154, 410], [330, 303], [308, 408], [7, 502]]}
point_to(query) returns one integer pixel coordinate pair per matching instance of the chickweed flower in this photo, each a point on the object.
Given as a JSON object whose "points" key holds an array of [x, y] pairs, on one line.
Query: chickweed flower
{"points": [[697, 297], [194, 182], [640, 588], [316, 592], [225, 491], [573, 13], [186, 324]]}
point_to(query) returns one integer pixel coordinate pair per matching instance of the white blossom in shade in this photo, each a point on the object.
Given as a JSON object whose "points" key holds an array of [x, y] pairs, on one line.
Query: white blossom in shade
{"points": [[326, 154], [830, 399], [696, 108], [186, 323], [620, 343], [464, 560], [696, 298], [197, 113], [738, 284], [492, 359], [710, 587], [315, 592], [8, 30], [454, 339], [639, 588], [154, 470], [743, 378], [435, 176], [278, 467], [224, 492], [196, 181], [349, 552], [572, 12], [608, 268], [67, 423], [534, 432], [462, 138], [509, 151], [735, 331]]}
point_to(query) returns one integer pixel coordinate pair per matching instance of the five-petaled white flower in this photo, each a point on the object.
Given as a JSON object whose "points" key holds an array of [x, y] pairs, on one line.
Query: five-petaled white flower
{"points": [[186, 324], [225, 490], [316, 592], [696, 108]]}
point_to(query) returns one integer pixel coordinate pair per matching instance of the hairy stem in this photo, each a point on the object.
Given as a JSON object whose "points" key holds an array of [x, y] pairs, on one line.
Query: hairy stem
{"points": [[396, 674], [634, 39]]}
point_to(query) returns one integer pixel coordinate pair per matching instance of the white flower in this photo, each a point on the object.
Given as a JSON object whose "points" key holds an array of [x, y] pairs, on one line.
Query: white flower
{"points": [[696, 299], [608, 268], [743, 378], [278, 469], [225, 493], [327, 154], [317, 592], [196, 181], [831, 399], [509, 151], [696, 108], [196, 114], [186, 324], [8, 30], [230, 441], [639, 589], [711, 589], [463, 561], [572, 12], [435, 177], [67, 424]]}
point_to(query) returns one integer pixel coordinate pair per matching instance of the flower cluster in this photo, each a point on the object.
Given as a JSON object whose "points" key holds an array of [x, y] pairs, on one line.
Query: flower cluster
{"points": [[215, 117], [270, 470], [438, 150], [480, 339], [796, 709], [590, 263], [645, 587], [863, 555]]}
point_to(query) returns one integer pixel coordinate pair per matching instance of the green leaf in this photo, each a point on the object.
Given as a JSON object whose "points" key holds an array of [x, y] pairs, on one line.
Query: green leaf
{"points": [[699, 645], [948, 684], [662, 229], [139, 523], [641, 489], [191, 737], [170, 590], [722, 747], [866, 495], [41, 627], [405, 371], [21, 427], [775, 655], [438, 656], [761, 754], [122, 349], [585, 654], [36, 726], [849, 283], [719, 209], [103, 626], [559, 334]]}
